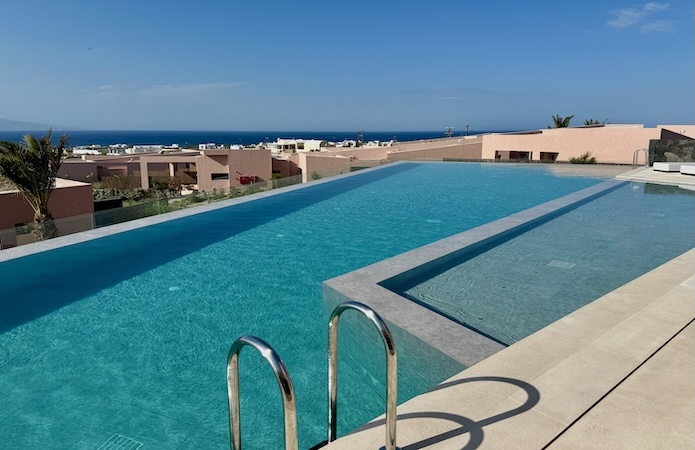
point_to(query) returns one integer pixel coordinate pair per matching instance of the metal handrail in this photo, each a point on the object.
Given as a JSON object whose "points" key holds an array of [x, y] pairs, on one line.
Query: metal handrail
{"points": [[635, 157], [391, 371], [283, 377]]}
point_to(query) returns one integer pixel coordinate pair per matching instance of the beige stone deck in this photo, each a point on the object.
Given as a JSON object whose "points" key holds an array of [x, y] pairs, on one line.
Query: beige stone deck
{"points": [[618, 373]]}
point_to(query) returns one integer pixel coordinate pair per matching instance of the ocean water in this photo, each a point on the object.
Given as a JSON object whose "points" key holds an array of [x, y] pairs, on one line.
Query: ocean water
{"points": [[193, 138]]}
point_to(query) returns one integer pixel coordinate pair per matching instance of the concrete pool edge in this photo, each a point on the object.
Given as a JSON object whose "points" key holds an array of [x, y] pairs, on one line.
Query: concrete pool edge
{"points": [[617, 373], [97, 233], [366, 285]]}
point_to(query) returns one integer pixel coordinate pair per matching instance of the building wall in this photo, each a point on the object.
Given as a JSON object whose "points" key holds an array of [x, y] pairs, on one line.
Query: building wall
{"points": [[210, 163], [286, 167], [235, 163], [256, 163], [89, 171], [318, 165], [362, 153], [434, 149], [123, 168], [450, 150], [686, 130], [70, 199], [609, 144], [78, 170]]}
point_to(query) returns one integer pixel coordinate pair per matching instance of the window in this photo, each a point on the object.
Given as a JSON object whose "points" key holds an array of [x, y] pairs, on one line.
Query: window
{"points": [[219, 176], [548, 156]]}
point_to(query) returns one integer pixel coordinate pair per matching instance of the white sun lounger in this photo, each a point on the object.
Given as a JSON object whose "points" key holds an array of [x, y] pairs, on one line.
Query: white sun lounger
{"points": [[688, 169], [667, 166]]}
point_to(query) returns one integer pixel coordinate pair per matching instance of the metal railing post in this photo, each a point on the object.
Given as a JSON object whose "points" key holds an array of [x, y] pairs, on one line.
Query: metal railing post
{"points": [[391, 371], [283, 377], [635, 157]]}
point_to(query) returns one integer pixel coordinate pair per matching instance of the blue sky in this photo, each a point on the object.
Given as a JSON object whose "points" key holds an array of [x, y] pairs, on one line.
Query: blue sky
{"points": [[357, 65]]}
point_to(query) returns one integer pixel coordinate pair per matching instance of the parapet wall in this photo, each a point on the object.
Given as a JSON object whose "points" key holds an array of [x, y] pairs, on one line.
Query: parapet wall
{"points": [[610, 144], [457, 150]]}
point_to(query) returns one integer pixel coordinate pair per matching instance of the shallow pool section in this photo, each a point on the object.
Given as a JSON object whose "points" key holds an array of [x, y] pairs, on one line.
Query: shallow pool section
{"points": [[516, 286], [128, 334]]}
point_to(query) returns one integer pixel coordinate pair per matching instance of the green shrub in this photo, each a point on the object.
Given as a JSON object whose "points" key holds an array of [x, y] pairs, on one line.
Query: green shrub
{"points": [[586, 158]]}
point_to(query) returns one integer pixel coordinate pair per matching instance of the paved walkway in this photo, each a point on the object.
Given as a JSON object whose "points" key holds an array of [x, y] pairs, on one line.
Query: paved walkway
{"points": [[617, 373], [648, 175]]}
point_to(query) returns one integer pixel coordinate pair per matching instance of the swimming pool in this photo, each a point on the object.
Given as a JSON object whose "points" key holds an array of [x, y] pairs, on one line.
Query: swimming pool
{"points": [[128, 334], [517, 285]]}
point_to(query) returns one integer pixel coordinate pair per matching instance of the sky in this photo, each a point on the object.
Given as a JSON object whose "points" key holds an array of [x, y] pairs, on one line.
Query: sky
{"points": [[350, 65]]}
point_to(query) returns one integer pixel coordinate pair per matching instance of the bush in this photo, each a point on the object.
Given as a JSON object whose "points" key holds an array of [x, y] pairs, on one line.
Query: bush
{"points": [[586, 158], [120, 183], [133, 195]]}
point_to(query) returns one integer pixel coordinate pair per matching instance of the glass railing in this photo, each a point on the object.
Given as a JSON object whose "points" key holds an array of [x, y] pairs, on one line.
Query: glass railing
{"points": [[29, 233], [126, 213]]}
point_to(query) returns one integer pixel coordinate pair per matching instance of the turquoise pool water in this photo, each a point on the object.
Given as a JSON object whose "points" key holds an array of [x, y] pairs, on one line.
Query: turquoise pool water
{"points": [[518, 286], [128, 334]]}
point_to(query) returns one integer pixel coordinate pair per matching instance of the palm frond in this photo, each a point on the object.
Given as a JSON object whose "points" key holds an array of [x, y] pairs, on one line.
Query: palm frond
{"points": [[32, 168]]}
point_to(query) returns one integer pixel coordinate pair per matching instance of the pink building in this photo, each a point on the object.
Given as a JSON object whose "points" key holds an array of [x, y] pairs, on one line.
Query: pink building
{"points": [[206, 169], [615, 144], [219, 169], [612, 143], [70, 204], [96, 168]]}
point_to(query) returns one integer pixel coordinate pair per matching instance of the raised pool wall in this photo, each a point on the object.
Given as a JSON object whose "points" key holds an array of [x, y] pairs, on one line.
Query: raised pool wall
{"points": [[370, 285]]}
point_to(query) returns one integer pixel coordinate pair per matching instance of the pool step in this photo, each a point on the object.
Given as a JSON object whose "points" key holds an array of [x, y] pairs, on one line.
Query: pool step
{"points": [[120, 442]]}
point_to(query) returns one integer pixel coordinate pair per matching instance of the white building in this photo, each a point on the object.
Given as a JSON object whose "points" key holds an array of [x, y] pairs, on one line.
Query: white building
{"points": [[87, 150], [296, 145], [144, 149], [209, 146]]}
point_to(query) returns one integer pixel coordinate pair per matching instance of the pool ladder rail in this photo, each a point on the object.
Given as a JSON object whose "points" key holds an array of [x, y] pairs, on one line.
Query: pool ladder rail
{"points": [[635, 157], [285, 383]]}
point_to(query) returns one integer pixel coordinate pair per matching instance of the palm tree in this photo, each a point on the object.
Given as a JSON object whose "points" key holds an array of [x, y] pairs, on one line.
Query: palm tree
{"points": [[561, 122], [595, 122], [32, 168]]}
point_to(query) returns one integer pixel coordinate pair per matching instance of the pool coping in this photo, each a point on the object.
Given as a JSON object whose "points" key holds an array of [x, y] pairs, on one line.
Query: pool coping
{"points": [[465, 345], [98, 233], [617, 373]]}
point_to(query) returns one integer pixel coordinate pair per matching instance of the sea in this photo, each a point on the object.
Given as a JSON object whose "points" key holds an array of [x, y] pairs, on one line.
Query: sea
{"points": [[193, 138]]}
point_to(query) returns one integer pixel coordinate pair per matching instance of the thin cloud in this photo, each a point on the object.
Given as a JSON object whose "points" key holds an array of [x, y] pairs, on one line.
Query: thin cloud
{"points": [[106, 87], [172, 90], [665, 26], [654, 7], [628, 17]]}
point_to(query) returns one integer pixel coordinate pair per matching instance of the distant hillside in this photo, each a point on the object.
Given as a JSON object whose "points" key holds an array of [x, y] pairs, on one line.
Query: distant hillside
{"points": [[15, 125]]}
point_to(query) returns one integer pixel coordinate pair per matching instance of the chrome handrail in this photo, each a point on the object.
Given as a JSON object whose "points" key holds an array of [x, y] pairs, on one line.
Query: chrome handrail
{"points": [[635, 157], [391, 371], [283, 377]]}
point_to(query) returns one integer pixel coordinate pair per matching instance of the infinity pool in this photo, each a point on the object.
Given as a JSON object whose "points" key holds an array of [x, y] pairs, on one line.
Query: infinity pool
{"points": [[519, 285], [125, 337]]}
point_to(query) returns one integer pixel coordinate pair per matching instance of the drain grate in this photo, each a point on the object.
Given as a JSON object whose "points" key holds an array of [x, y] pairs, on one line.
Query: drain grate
{"points": [[561, 264], [120, 442]]}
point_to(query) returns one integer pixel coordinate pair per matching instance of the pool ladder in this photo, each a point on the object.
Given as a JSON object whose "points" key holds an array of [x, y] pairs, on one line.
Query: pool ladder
{"points": [[285, 383], [635, 157]]}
